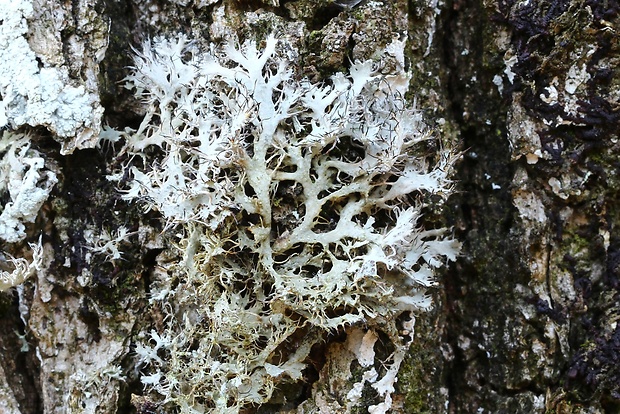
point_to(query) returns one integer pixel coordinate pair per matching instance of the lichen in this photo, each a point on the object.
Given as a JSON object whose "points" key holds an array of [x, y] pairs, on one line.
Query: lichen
{"points": [[39, 93], [295, 211], [21, 268], [24, 176]]}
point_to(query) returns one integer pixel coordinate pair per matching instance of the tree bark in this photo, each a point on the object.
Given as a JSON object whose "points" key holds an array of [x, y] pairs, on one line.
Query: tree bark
{"points": [[525, 321]]}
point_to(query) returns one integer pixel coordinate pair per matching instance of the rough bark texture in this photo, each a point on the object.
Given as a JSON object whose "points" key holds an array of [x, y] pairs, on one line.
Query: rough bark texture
{"points": [[525, 322]]}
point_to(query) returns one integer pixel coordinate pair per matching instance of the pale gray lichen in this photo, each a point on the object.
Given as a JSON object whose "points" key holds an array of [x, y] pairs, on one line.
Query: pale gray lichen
{"points": [[28, 182], [295, 208], [41, 96], [21, 268], [197, 3]]}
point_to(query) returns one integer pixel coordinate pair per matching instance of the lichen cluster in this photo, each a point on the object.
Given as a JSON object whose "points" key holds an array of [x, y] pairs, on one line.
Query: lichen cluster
{"points": [[35, 87], [294, 209], [26, 182]]}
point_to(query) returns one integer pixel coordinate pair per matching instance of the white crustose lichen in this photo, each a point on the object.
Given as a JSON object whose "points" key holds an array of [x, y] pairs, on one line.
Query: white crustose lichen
{"points": [[294, 208]]}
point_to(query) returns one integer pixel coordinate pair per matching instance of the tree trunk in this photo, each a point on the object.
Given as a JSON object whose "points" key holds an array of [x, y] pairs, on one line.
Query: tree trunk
{"points": [[524, 321]]}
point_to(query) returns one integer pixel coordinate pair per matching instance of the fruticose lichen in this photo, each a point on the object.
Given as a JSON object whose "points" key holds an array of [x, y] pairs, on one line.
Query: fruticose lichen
{"points": [[25, 184], [22, 268], [24, 176], [295, 211]]}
